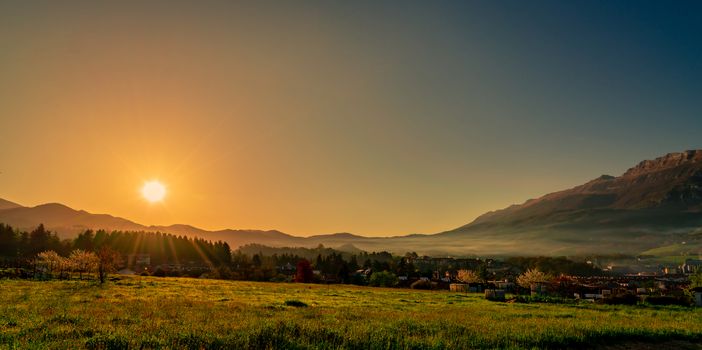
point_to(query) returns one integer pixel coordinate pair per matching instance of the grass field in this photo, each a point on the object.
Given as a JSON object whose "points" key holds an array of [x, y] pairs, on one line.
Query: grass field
{"points": [[152, 313]]}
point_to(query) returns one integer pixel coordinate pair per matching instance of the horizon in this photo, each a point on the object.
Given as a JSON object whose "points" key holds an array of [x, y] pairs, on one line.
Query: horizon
{"points": [[169, 225], [370, 118]]}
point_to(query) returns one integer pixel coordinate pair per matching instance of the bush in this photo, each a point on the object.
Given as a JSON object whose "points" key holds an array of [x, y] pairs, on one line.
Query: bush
{"points": [[421, 284], [358, 279], [383, 279], [668, 300], [10, 273], [159, 273], [295, 303]]}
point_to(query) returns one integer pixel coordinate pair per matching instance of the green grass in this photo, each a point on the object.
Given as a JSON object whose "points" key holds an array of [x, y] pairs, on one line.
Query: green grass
{"points": [[153, 313]]}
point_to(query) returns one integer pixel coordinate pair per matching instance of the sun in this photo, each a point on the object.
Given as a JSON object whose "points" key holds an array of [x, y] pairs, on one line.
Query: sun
{"points": [[153, 191]]}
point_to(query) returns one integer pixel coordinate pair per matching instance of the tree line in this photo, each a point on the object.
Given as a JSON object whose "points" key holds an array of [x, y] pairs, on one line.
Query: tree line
{"points": [[17, 248], [170, 253]]}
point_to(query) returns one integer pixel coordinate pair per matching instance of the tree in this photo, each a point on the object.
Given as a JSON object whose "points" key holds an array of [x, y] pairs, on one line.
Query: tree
{"points": [[39, 240], [696, 279], [84, 241], [256, 260], [50, 260], [483, 273], [319, 264], [532, 276], [468, 276], [304, 273], [383, 279], [83, 262], [108, 260], [8, 241]]}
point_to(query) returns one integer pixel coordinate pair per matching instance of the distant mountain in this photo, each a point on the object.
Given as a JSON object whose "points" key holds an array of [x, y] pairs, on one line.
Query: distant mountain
{"points": [[4, 204], [656, 204], [62, 219]]}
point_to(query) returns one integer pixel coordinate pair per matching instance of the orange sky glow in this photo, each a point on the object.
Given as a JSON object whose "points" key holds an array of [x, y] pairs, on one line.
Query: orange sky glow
{"points": [[307, 119]]}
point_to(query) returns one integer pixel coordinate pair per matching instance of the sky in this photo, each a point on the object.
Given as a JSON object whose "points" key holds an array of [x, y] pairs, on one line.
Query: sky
{"points": [[378, 118]]}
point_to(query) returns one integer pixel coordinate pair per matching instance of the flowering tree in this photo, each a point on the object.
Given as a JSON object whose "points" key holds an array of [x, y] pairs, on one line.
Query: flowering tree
{"points": [[50, 260], [83, 262], [532, 276], [467, 276]]}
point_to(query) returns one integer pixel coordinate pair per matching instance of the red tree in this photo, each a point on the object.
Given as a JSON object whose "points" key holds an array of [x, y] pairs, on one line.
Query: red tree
{"points": [[303, 274]]}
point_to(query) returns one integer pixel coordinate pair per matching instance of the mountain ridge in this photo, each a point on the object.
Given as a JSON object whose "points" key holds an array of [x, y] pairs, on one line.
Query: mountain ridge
{"points": [[657, 202]]}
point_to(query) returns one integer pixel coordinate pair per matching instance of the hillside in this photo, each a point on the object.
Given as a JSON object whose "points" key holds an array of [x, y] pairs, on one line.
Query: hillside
{"points": [[652, 204], [5, 204]]}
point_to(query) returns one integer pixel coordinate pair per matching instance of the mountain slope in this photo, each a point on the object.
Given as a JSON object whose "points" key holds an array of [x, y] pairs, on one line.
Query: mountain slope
{"points": [[62, 219], [5, 204], [669, 185], [650, 204]]}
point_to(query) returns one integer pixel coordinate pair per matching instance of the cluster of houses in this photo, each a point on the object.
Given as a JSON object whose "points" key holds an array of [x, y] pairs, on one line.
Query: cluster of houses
{"points": [[592, 288], [664, 281]]}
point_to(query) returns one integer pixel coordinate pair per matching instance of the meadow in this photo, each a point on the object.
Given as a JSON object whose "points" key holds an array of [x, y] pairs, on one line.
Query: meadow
{"points": [[158, 313]]}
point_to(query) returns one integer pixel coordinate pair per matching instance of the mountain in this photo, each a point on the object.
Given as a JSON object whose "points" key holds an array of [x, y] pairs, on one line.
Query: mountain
{"points": [[5, 204], [657, 202], [656, 206], [62, 219]]}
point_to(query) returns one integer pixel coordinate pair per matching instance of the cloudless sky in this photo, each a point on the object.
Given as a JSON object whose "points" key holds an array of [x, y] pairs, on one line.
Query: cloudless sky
{"points": [[372, 117]]}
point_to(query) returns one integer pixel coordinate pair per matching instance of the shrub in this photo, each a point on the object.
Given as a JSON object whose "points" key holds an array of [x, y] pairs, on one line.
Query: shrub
{"points": [[383, 279], [358, 279], [295, 303], [668, 300]]}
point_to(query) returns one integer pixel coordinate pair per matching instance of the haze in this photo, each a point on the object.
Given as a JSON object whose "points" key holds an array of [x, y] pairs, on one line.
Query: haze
{"points": [[378, 118]]}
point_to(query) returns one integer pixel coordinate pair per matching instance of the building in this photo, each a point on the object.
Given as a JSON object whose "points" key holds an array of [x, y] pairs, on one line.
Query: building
{"points": [[691, 265]]}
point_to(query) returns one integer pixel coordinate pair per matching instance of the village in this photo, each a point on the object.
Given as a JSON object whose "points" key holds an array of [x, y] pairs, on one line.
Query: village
{"points": [[496, 278]]}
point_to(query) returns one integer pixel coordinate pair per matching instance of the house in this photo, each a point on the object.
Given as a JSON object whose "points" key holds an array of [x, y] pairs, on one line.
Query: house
{"points": [[691, 265], [458, 287], [697, 292]]}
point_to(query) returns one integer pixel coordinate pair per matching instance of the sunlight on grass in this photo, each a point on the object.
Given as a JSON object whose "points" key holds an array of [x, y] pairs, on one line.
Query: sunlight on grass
{"points": [[145, 312]]}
